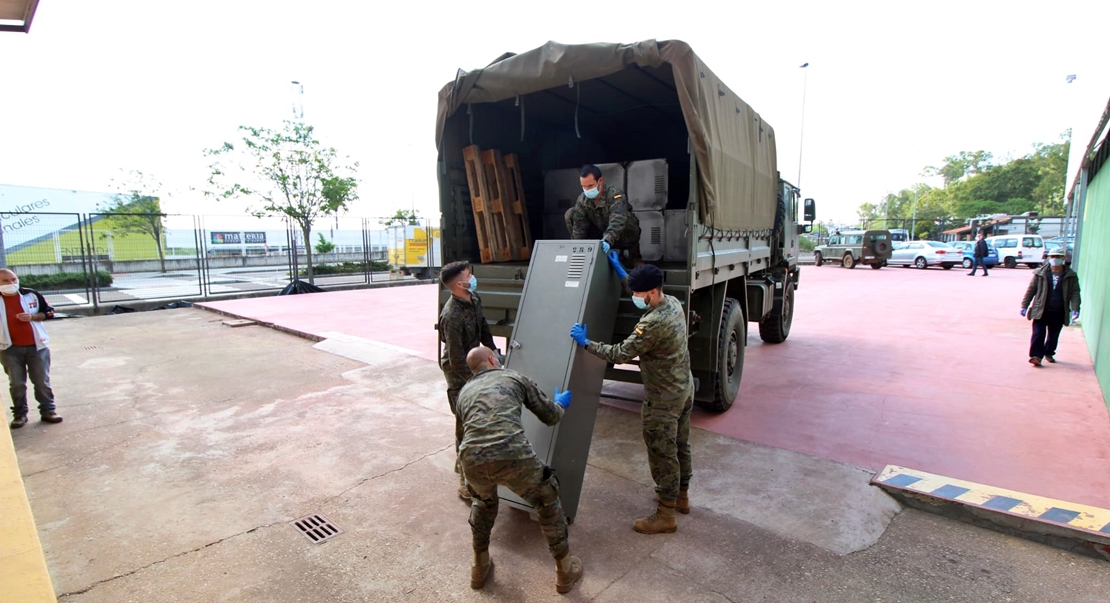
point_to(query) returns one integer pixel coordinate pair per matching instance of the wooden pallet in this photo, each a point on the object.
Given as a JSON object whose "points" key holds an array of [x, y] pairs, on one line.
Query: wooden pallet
{"points": [[519, 207], [507, 225], [493, 248]]}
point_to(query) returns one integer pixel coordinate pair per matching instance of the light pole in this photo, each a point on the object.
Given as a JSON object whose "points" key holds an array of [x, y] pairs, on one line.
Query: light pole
{"points": [[802, 131], [298, 104]]}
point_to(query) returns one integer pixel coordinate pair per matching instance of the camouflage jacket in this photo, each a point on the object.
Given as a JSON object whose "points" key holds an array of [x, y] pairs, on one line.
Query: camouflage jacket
{"points": [[611, 213], [659, 339], [462, 327], [489, 408]]}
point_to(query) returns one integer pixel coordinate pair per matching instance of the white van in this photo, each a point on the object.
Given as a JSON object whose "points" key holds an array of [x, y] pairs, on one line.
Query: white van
{"points": [[1018, 249]]}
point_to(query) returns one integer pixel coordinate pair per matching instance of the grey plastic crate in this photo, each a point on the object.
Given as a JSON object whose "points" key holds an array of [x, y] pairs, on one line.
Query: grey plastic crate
{"points": [[648, 183], [651, 235]]}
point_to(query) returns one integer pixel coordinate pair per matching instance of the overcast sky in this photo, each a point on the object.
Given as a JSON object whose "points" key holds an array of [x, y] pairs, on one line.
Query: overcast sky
{"points": [[892, 86]]}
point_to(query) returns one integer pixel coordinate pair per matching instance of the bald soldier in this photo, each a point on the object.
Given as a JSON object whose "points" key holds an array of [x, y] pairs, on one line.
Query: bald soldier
{"points": [[495, 452], [603, 210], [659, 340]]}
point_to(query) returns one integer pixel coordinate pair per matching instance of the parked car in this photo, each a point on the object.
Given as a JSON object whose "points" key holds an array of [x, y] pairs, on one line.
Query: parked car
{"points": [[851, 247], [923, 254], [1055, 244], [968, 249], [1018, 249]]}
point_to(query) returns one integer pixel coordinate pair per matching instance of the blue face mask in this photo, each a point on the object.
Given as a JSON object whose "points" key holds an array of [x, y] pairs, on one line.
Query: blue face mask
{"points": [[473, 283], [640, 302], [591, 193]]}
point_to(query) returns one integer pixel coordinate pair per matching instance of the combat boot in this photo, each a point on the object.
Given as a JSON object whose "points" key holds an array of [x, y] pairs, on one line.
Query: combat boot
{"points": [[661, 522], [481, 569], [682, 505], [568, 570], [464, 492]]}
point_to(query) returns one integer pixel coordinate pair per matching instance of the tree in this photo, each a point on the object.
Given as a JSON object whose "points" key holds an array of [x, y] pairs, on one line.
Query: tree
{"points": [[402, 217], [956, 167], [283, 173], [323, 245], [134, 209]]}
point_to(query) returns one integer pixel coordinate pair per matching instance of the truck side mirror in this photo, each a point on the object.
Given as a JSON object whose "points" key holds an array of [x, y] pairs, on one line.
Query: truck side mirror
{"points": [[810, 210]]}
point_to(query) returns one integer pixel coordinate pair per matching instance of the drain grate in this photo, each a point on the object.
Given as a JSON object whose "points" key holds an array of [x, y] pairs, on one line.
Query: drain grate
{"points": [[317, 528]]}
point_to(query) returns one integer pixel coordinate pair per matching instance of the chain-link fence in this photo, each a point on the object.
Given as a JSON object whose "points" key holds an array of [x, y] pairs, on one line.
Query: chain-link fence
{"points": [[108, 258]]}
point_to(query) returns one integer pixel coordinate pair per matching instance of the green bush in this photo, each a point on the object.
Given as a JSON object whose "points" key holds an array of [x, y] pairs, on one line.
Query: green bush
{"points": [[805, 244], [63, 280], [347, 268]]}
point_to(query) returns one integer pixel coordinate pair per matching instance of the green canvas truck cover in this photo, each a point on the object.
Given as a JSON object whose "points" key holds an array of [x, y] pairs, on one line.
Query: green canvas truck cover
{"points": [[733, 146]]}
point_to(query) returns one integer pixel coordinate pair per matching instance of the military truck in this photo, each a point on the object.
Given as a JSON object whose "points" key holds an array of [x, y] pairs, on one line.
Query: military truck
{"points": [[854, 247], [699, 167]]}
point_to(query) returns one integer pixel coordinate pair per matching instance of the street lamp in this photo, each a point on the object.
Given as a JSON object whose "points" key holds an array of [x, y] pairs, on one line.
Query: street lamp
{"points": [[802, 131]]}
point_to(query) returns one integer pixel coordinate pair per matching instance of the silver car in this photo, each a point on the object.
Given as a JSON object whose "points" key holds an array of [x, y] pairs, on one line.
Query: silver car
{"points": [[923, 254]]}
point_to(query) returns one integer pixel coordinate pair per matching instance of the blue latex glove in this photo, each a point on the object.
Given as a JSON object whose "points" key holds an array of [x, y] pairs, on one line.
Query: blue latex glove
{"points": [[615, 262], [578, 334], [562, 398], [1023, 311], [1074, 316], [604, 246]]}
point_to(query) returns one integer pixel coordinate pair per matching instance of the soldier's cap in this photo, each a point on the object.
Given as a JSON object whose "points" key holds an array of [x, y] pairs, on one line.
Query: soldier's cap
{"points": [[1056, 253], [645, 278]]}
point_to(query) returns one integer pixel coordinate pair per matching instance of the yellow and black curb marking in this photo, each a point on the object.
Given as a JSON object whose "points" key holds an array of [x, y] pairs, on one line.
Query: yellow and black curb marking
{"points": [[1067, 525]]}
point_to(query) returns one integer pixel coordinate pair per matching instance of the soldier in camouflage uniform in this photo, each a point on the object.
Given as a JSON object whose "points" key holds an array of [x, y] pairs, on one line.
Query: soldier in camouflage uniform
{"points": [[659, 340], [494, 451], [604, 208], [462, 327]]}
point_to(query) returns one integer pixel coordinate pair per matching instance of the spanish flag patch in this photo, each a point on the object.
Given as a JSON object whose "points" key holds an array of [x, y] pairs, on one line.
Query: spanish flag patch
{"points": [[616, 196], [639, 331]]}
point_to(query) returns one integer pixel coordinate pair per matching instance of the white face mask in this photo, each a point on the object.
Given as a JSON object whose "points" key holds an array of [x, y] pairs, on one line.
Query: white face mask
{"points": [[10, 289], [1055, 262]]}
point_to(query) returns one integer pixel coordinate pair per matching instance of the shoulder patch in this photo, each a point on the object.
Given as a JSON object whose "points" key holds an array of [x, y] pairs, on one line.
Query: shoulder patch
{"points": [[639, 330], [617, 196]]}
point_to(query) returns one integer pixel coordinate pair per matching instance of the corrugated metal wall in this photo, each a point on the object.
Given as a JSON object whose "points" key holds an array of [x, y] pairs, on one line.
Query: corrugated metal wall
{"points": [[1094, 276]]}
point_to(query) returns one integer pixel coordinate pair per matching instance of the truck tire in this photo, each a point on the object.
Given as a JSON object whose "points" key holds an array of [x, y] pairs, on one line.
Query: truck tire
{"points": [[849, 260], [817, 259], [775, 327], [876, 265], [731, 340]]}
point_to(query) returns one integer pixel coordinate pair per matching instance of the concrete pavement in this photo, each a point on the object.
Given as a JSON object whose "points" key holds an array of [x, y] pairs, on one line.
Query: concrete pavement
{"points": [[189, 446]]}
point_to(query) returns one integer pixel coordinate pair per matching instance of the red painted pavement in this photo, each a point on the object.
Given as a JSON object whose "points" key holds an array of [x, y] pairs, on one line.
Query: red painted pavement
{"points": [[924, 369]]}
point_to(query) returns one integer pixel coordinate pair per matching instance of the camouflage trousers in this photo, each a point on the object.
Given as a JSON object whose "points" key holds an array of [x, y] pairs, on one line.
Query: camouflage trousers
{"points": [[667, 435], [629, 244], [453, 402], [532, 481]]}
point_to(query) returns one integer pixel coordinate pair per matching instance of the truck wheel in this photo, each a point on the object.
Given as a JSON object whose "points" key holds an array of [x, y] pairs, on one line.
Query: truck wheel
{"points": [[849, 261], [817, 260], [730, 356], [775, 328], [876, 265]]}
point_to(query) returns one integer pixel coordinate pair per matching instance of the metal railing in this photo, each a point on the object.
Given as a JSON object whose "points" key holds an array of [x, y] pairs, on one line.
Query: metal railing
{"points": [[114, 258]]}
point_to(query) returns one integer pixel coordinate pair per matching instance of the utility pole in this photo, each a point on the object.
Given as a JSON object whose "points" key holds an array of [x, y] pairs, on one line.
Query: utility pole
{"points": [[802, 130]]}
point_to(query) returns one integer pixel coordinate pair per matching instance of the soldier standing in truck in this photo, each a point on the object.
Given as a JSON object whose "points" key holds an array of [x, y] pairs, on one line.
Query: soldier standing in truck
{"points": [[604, 208], [660, 341], [462, 327]]}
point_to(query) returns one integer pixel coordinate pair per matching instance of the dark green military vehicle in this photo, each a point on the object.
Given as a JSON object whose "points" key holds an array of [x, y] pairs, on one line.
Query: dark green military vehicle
{"points": [[698, 164]]}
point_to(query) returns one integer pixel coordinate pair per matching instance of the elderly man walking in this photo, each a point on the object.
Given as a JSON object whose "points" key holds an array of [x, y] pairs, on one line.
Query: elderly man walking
{"points": [[1053, 291]]}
